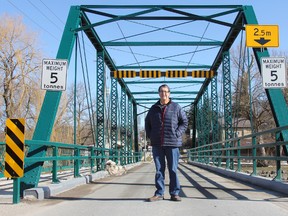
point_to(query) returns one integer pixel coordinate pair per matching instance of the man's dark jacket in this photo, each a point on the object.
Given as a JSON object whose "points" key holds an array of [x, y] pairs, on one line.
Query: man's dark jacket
{"points": [[165, 125]]}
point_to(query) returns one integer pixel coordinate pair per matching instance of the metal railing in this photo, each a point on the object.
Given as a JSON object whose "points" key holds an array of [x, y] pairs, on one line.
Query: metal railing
{"points": [[61, 156], [233, 155]]}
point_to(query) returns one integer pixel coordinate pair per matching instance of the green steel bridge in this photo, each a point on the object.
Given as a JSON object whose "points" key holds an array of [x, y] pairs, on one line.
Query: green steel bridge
{"points": [[134, 50]]}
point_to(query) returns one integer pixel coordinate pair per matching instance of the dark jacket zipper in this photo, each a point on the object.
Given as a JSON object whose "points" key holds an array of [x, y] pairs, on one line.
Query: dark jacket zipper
{"points": [[162, 124]]}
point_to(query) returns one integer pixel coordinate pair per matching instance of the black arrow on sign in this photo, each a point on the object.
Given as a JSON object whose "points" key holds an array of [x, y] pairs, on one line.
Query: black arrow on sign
{"points": [[262, 41]]}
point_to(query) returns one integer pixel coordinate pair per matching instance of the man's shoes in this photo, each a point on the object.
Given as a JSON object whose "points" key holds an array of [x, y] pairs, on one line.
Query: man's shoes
{"points": [[175, 198], [155, 198]]}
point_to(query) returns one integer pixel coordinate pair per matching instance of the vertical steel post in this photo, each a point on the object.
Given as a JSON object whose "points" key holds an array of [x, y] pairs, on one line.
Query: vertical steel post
{"points": [[92, 161], [215, 122], [50, 105], [129, 131], [194, 128], [55, 166], [113, 113], [76, 163], [136, 146], [100, 136], [199, 130], [278, 154], [206, 124], [227, 108], [16, 190], [123, 132]]}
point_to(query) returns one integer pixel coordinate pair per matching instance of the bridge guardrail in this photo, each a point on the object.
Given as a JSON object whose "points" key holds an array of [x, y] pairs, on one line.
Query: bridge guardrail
{"points": [[230, 152], [62, 156]]}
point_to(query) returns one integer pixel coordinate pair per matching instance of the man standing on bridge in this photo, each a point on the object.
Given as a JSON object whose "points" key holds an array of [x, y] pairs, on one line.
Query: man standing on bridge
{"points": [[164, 124]]}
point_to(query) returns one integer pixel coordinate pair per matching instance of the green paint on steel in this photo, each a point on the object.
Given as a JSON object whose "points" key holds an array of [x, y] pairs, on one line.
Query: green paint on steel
{"points": [[100, 121], [51, 101], [227, 106], [184, 15], [136, 146], [129, 130], [215, 122], [227, 43], [113, 113], [193, 118], [275, 96], [164, 43], [116, 18], [206, 123], [49, 108], [199, 128], [161, 6], [123, 124]]}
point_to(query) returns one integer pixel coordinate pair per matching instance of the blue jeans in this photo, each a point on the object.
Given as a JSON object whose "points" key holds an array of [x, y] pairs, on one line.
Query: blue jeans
{"points": [[172, 156]]}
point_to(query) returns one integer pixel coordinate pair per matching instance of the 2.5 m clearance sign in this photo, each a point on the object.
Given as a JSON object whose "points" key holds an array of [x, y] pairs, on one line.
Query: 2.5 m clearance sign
{"points": [[54, 74]]}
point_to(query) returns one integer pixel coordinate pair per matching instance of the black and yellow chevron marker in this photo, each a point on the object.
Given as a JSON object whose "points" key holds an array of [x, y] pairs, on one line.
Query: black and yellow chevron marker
{"points": [[149, 73], [124, 74], [167, 73], [176, 73], [203, 73], [14, 156]]}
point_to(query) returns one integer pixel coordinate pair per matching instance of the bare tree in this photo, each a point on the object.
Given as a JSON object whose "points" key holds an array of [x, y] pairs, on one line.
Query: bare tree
{"points": [[20, 64], [251, 103], [63, 130]]}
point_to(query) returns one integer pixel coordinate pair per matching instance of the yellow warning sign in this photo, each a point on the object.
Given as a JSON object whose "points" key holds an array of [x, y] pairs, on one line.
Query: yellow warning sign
{"points": [[150, 73], [202, 73], [14, 156], [176, 73], [262, 36], [124, 74]]}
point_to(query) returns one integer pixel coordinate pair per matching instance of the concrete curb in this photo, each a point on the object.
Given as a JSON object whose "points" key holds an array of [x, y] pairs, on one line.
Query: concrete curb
{"points": [[45, 192], [277, 186]]}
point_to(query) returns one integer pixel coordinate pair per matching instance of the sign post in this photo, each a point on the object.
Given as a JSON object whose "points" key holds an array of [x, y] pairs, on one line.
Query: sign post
{"points": [[54, 74], [273, 72], [14, 156]]}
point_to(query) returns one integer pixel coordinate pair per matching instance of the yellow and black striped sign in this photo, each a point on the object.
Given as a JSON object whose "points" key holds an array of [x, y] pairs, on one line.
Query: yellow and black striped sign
{"points": [[14, 156], [203, 73], [124, 74], [158, 73], [176, 73], [150, 73]]}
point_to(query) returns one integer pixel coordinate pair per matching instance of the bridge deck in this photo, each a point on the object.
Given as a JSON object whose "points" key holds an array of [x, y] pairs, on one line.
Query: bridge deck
{"points": [[203, 193]]}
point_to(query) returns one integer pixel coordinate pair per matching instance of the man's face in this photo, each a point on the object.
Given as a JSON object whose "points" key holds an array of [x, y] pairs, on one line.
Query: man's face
{"points": [[164, 93]]}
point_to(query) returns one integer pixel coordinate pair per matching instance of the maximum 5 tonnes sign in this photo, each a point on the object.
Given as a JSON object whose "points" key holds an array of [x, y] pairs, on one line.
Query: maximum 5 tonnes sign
{"points": [[54, 74], [273, 72]]}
